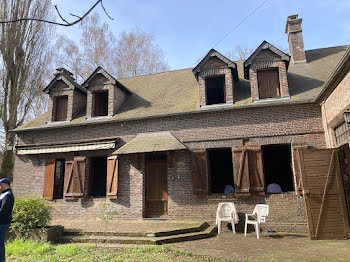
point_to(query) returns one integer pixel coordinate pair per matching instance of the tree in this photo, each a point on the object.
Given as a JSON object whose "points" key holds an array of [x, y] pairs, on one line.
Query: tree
{"points": [[24, 56], [133, 53], [138, 54], [240, 52]]}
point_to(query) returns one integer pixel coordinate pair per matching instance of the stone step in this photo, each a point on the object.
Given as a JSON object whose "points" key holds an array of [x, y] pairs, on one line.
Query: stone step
{"points": [[148, 240], [199, 228]]}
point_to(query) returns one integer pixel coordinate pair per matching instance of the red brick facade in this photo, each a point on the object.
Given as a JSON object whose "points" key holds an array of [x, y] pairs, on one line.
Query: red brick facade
{"points": [[228, 128]]}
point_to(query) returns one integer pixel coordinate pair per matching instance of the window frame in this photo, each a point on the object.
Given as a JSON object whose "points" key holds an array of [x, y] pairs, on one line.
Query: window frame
{"points": [[59, 107], [346, 134], [95, 95], [206, 88]]}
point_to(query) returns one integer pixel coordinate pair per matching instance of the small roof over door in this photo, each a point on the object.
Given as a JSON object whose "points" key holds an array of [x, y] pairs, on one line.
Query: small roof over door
{"points": [[151, 142]]}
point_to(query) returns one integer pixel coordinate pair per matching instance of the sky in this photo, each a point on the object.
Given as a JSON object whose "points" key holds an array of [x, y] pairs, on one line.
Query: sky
{"points": [[187, 29]]}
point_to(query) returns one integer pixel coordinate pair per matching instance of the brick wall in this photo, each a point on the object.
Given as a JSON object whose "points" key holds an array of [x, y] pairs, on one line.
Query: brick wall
{"points": [[237, 124], [333, 108], [267, 59]]}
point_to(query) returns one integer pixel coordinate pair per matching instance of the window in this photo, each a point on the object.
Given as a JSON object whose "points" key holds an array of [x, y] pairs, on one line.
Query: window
{"points": [[277, 167], [101, 103], [215, 90], [61, 108], [98, 178], [59, 178], [220, 171], [269, 85], [342, 134]]}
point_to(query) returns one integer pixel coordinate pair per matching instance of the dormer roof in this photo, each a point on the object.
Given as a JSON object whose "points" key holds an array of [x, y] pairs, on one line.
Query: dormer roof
{"points": [[214, 53], [263, 46], [111, 79], [65, 76]]}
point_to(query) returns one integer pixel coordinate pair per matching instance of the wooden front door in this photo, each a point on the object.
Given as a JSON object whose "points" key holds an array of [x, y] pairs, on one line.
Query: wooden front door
{"points": [[323, 191], [156, 186]]}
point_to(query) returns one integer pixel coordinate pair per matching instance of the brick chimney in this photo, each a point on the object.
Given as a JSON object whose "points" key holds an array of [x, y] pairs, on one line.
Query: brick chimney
{"points": [[295, 39]]}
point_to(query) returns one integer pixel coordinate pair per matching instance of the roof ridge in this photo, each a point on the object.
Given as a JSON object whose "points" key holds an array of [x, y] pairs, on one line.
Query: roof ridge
{"points": [[158, 73], [329, 47]]}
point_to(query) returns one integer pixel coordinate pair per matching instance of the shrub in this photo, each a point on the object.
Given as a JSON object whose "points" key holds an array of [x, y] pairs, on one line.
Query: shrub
{"points": [[29, 213]]}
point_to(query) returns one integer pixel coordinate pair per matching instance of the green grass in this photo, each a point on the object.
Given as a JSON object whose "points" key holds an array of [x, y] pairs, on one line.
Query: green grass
{"points": [[28, 251]]}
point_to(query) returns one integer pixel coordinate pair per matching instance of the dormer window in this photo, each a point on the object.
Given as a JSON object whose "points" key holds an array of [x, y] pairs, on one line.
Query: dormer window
{"points": [[101, 103], [269, 83], [216, 76], [215, 90], [267, 70], [61, 108], [104, 94], [66, 97]]}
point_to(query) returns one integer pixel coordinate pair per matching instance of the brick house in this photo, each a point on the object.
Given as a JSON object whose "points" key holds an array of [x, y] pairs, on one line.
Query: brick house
{"points": [[173, 144]]}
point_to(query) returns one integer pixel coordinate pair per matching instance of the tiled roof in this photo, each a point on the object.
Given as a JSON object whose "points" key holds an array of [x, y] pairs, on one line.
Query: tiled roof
{"points": [[177, 91]]}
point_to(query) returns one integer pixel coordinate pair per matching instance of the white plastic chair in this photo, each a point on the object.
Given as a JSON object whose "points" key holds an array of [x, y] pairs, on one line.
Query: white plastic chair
{"points": [[226, 212], [260, 212]]}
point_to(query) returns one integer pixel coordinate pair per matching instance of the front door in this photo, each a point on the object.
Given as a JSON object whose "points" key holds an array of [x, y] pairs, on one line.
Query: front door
{"points": [[156, 185]]}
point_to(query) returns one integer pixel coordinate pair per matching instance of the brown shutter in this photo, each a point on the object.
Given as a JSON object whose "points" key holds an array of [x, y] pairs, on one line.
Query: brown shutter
{"points": [[61, 108], [199, 171], [241, 171], [112, 176], [74, 178], [296, 166], [49, 179], [256, 172], [263, 84], [274, 83], [268, 83]]}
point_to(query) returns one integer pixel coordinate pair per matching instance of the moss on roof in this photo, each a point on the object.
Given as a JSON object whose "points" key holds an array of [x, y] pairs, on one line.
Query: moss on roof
{"points": [[178, 91], [151, 142]]}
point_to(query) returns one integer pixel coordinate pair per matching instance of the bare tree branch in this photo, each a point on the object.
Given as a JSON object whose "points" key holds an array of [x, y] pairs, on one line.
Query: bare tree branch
{"points": [[66, 23], [104, 9]]}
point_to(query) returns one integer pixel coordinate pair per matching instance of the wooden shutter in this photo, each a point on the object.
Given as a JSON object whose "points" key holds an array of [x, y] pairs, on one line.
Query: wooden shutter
{"points": [[274, 82], [61, 108], [112, 176], [199, 170], [241, 171], [268, 83], [74, 178], [296, 166], [49, 179], [263, 84], [323, 191], [256, 172]]}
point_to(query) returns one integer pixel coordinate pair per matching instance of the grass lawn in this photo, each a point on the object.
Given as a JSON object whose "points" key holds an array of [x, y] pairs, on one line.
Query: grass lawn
{"points": [[19, 250]]}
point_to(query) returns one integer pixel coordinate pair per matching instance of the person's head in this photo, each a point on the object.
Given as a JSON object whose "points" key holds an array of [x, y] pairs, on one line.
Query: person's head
{"points": [[4, 184]]}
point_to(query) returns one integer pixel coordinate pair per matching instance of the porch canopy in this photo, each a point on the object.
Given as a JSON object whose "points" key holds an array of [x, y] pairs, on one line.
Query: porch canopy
{"points": [[151, 142], [33, 150]]}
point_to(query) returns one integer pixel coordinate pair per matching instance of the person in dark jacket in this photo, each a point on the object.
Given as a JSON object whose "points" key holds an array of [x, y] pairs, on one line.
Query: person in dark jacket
{"points": [[6, 205]]}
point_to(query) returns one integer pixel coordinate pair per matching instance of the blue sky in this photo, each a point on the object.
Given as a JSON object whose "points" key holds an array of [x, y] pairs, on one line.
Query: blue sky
{"points": [[187, 29]]}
